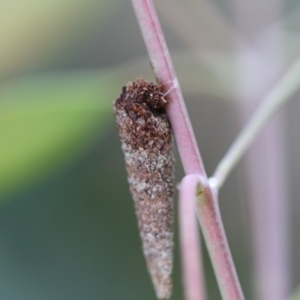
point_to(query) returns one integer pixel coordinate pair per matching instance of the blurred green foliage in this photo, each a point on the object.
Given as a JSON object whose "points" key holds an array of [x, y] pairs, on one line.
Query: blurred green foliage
{"points": [[35, 33], [46, 121], [296, 294]]}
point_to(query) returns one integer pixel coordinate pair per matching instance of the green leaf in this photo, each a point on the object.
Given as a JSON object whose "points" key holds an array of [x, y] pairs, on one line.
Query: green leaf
{"points": [[47, 121]]}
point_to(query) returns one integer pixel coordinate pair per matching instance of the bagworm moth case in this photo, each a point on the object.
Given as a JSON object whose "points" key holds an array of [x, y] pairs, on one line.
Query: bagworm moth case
{"points": [[146, 139]]}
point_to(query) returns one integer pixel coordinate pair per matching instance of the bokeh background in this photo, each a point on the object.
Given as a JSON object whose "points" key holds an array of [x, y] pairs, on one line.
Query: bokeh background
{"points": [[67, 223]]}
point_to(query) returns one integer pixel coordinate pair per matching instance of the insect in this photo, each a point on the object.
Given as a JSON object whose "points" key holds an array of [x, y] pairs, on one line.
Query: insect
{"points": [[146, 138]]}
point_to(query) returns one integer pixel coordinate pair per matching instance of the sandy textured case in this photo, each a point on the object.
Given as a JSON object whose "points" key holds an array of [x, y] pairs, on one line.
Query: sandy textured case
{"points": [[146, 138]]}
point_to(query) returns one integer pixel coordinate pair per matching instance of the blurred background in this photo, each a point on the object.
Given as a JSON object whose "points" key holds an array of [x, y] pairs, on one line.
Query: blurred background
{"points": [[67, 223]]}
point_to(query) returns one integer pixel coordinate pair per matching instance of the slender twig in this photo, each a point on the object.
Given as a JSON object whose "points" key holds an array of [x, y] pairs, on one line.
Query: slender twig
{"points": [[282, 92], [189, 240], [264, 166], [165, 73], [218, 248], [208, 208]]}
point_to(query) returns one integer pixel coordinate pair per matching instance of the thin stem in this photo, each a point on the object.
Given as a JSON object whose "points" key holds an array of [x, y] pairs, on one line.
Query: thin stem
{"points": [[208, 209], [193, 279], [215, 238], [282, 92], [165, 74], [264, 166]]}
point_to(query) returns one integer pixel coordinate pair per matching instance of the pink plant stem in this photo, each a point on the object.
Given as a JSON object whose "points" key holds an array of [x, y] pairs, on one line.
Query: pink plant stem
{"points": [[208, 208], [165, 73], [216, 242], [189, 237], [266, 177]]}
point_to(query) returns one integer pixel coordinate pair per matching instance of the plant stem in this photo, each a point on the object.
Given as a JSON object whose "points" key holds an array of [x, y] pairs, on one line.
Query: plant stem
{"points": [[165, 74], [193, 279], [282, 92], [218, 248], [208, 208]]}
